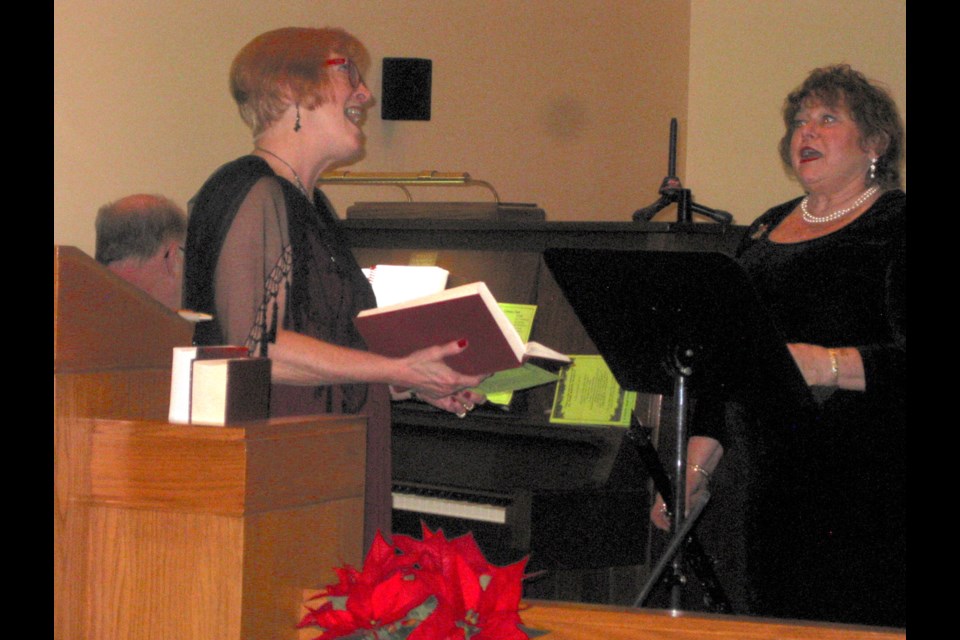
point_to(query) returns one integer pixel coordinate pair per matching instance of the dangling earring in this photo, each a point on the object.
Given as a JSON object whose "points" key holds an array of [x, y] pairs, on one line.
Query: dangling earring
{"points": [[296, 126], [873, 169]]}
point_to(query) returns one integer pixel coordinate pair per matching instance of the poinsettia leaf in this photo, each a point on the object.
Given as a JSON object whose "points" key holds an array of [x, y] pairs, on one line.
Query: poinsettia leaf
{"points": [[430, 589], [393, 598], [363, 634], [466, 547], [417, 555], [400, 634], [380, 551], [504, 590], [468, 629], [441, 624], [335, 623], [425, 530], [398, 630], [468, 581], [421, 612]]}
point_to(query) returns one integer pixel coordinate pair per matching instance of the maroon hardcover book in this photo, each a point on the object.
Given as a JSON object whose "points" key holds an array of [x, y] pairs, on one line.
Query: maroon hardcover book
{"points": [[467, 313]]}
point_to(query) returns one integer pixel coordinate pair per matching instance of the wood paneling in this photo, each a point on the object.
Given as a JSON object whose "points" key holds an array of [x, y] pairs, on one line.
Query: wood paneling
{"points": [[101, 322], [576, 621], [570, 621], [181, 531], [232, 471]]}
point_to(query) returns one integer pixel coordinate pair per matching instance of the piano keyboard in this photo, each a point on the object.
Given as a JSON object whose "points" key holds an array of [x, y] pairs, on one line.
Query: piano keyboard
{"points": [[434, 501]]}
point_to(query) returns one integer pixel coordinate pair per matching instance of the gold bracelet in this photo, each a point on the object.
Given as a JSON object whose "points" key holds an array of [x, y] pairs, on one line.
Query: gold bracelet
{"points": [[834, 366], [698, 469]]}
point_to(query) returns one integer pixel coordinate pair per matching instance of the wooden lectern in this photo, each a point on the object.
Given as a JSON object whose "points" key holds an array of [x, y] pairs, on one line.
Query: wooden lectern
{"points": [[180, 531]]}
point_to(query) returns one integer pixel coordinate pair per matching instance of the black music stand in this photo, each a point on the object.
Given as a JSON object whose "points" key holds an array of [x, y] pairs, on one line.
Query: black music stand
{"points": [[676, 322]]}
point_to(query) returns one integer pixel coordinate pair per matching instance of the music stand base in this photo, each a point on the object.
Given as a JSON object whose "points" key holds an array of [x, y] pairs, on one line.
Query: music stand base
{"points": [[673, 548]]}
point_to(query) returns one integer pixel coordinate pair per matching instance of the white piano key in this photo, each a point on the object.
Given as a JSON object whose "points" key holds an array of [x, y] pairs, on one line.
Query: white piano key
{"points": [[453, 508]]}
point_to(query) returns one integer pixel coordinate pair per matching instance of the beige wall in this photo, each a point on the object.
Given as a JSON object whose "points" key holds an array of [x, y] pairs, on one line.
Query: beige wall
{"points": [[565, 104], [745, 57], [562, 103]]}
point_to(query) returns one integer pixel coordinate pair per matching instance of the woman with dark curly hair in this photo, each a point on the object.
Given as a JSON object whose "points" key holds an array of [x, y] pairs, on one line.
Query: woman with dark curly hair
{"points": [[809, 522]]}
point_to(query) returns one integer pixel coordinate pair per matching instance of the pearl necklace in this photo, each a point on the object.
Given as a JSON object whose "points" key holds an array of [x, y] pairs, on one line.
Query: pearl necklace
{"points": [[839, 213], [296, 177]]}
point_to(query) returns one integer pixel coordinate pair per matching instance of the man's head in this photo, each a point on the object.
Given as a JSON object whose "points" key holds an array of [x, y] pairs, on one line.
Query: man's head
{"points": [[139, 238]]}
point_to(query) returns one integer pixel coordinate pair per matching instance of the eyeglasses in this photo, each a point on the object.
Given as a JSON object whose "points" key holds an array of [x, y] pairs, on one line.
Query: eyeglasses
{"points": [[347, 65]]}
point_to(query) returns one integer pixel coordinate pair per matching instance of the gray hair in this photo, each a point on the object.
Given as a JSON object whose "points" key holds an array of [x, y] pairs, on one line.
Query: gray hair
{"points": [[137, 226]]}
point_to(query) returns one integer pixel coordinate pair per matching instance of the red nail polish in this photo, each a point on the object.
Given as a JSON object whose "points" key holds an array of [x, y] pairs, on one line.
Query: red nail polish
{"points": [[462, 343]]}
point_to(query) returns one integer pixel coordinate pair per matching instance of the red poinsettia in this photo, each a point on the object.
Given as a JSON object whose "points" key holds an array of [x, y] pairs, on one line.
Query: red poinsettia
{"points": [[429, 589], [380, 595], [497, 606]]}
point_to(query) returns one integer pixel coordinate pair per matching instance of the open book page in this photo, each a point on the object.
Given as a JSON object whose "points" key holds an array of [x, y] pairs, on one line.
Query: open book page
{"points": [[537, 350], [587, 393], [399, 283], [500, 386], [506, 325]]}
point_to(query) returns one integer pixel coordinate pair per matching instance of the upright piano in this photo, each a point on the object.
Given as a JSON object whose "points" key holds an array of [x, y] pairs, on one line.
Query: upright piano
{"points": [[571, 496]]}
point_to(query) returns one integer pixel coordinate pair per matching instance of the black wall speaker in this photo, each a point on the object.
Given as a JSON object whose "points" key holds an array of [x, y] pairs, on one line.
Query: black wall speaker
{"points": [[405, 94]]}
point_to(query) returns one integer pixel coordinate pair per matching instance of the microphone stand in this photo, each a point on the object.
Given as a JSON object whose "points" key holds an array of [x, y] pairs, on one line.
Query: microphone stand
{"points": [[671, 190]]}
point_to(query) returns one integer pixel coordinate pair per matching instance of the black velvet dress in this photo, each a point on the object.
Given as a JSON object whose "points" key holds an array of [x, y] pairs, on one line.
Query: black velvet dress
{"points": [[810, 523], [255, 245]]}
